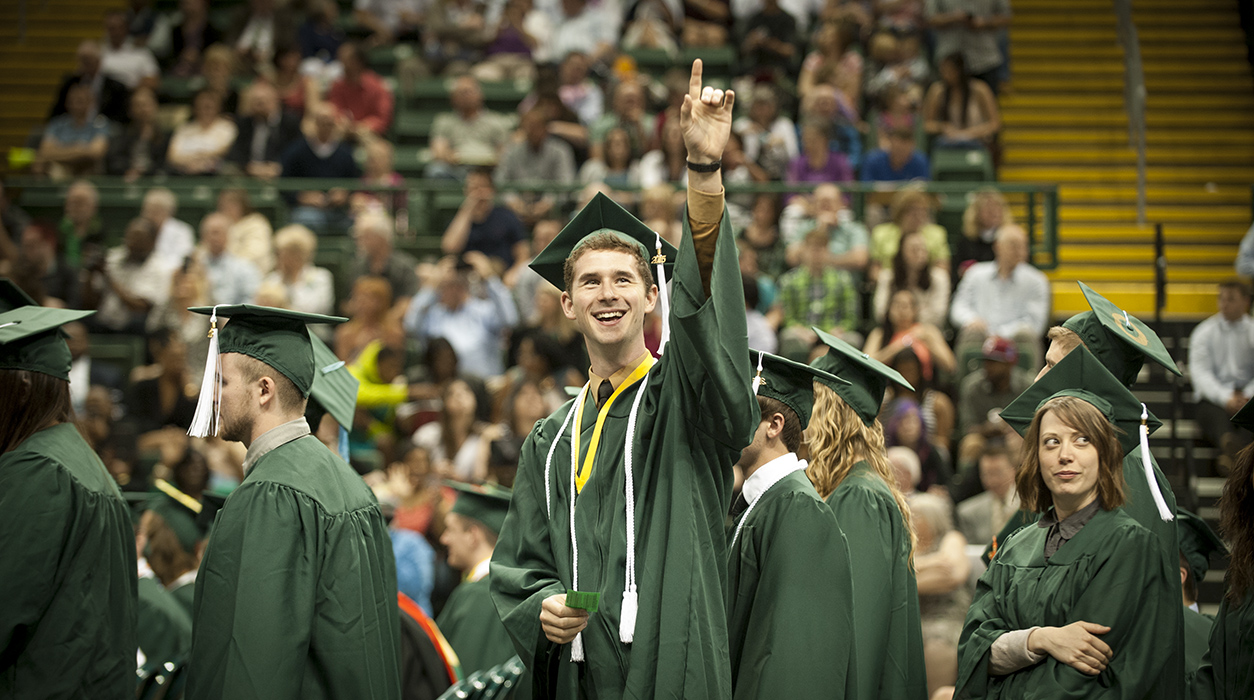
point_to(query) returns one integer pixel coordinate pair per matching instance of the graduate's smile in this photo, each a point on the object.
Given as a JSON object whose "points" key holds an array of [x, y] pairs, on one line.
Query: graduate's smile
{"points": [[609, 317], [608, 300]]}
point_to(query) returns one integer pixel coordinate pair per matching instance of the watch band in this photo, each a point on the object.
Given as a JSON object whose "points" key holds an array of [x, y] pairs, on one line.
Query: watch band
{"points": [[705, 167]]}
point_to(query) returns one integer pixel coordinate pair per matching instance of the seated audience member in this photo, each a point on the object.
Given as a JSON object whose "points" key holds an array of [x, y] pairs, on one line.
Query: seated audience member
{"points": [[360, 96], [74, 143], [122, 59], [108, 96], [322, 154], [175, 238], [456, 29], [199, 146], [219, 68], [512, 42], [913, 269], [668, 162], [467, 136], [388, 20], [898, 68], [833, 61], [830, 108], [618, 168], [707, 23], [941, 568], [769, 138], [189, 287], [579, 92], [991, 387], [232, 280], [816, 293], [249, 235], [903, 328], [982, 516], [960, 111], [371, 318], [652, 24], [373, 233], [564, 122], [987, 212], [898, 112], [38, 268], [660, 212], [455, 441], [762, 232], [483, 226], [85, 373], [157, 395], [589, 29], [936, 409], [970, 31], [140, 149], [445, 308], [308, 288], [522, 279], [818, 162], [825, 210], [124, 285], [1221, 365], [538, 157], [910, 212], [1006, 297], [321, 35], [257, 30], [906, 470], [81, 233], [190, 38], [628, 110], [296, 89], [904, 427], [899, 163], [265, 132], [768, 40]]}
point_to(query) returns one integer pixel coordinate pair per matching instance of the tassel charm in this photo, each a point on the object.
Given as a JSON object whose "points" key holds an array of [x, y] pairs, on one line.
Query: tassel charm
{"points": [[757, 379], [205, 420], [576, 649], [663, 295], [627, 617], [1164, 512]]}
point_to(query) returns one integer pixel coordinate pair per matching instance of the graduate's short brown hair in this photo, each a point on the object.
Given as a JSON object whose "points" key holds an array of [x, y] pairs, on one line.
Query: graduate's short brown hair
{"points": [[604, 240], [290, 398], [791, 436], [1064, 338], [1084, 418]]}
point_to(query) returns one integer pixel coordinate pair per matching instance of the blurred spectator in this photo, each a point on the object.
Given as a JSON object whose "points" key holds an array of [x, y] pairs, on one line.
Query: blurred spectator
{"points": [[992, 387], [455, 441], [770, 139], [455, 30], [969, 28], [12, 222], [445, 308], [320, 36], [1221, 365], [40, 269], [627, 111], [380, 171], [960, 111], [526, 403], [827, 107], [81, 233], [125, 284], [1245, 255], [388, 20], [707, 23], [249, 233], [1006, 297], [190, 38], [109, 97], [218, 68], [825, 211], [511, 41], [157, 395], [522, 279], [578, 91], [141, 19], [469, 135], [199, 146], [815, 293], [592, 30], [906, 469], [539, 157], [833, 62], [232, 280], [901, 328], [371, 318], [175, 238], [321, 154], [904, 427], [902, 161], [619, 166], [295, 88], [124, 60], [257, 30], [768, 40], [935, 407], [910, 212], [360, 96], [652, 24], [417, 490], [897, 69], [483, 226], [266, 131], [308, 288], [140, 148], [914, 270], [899, 112], [564, 123], [987, 212], [761, 331], [188, 287], [74, 143], [982, 516], [84, 372], [659, 210], [373, 234], [942, 570], [548, 319], [667, 163], [539, 362], [818, 162], [762, 233]]}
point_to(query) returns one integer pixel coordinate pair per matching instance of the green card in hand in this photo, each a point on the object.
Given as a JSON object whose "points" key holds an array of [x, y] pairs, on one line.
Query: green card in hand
{"points": [[582, 600]]}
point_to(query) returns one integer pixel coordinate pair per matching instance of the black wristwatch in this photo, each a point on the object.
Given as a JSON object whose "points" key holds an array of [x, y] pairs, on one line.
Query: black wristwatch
{"points": [[705, 167]]}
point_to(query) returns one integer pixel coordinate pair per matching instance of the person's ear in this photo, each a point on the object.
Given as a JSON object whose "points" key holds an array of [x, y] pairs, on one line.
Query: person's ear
{"points": [[568, 306], [775, 427], [266, 392]]}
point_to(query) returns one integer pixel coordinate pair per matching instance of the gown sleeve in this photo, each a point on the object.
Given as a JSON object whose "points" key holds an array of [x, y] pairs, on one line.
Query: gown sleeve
{"points": [[35, 510]]}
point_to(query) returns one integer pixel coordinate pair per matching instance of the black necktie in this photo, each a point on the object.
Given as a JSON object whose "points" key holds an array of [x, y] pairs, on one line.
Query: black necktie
{"points": [[740, 506], [604, 392]]}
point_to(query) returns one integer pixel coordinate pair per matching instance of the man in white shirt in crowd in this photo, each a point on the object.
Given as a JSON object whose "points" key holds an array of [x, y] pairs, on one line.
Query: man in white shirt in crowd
{"points": [[232, 280], [127, 282], [175, 239], [1221, 366], [122, 60]]}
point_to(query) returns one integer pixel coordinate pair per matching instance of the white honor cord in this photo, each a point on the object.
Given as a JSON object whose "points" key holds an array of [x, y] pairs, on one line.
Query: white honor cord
{"points": [[631, 599], [576, 647], [663, 295], [1163, 511], [548, 461]]}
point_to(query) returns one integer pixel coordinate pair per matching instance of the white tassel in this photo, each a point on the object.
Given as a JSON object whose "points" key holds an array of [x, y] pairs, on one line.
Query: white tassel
{"points": [[757, 379], [631, 600], [205, 420], [627, 618], [663, 295], [576, 648], [1163, 511]]}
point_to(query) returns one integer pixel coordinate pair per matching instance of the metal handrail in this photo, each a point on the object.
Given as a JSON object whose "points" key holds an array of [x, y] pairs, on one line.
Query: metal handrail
{"points": [[1134, 96]]}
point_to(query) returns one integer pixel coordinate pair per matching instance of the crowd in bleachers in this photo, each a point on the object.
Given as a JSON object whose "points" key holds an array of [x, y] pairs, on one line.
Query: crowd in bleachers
{"points": [[458, 354]]}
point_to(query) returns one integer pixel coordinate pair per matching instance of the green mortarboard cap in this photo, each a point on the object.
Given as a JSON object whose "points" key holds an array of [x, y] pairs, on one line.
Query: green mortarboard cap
{"points": [[485, 503], [865, 378], [601, 214], [1081, 375], [30, 339], [1245, 417], [277, 337], [12, 296], [1120, 340], [789, 382], [180, 512], [1197, 542], [334, 387]]}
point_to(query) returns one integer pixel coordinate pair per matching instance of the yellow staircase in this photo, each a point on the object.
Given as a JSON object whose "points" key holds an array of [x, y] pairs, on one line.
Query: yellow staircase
{"points": [[1065, 123], [32, 68]]}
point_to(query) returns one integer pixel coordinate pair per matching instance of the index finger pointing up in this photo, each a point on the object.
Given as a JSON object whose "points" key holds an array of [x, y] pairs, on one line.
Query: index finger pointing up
{"points": [[694, 82]]}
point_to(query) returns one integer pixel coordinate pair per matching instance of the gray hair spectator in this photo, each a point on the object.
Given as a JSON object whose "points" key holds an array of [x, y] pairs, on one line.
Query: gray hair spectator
{"points": [[374, 232], [307, 288], [128, 282], [80, 228], [941, 569], [175, 238], [108, 95], [232, 280]]}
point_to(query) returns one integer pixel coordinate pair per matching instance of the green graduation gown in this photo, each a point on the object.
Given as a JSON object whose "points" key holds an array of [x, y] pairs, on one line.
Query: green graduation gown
{"points": [[185, 594], [472, 627], [1197, 629], [697, 414], [1227, 670], [296, 595], [886, 625], [790, 598], [164, 629], [67, 573], [1108, 573]]}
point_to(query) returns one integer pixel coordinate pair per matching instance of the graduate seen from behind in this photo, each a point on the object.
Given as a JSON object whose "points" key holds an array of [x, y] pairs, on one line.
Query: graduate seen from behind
{"points": [[1072, 606], [296, 595], [789, 587], [67, 548], [1197, 543], [622, 494]]}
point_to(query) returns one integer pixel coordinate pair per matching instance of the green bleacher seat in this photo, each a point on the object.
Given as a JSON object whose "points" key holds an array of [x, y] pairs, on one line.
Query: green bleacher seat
{"points": [[962, 165], [410, 160], [413, 127], [654, 62], [717, 61]]}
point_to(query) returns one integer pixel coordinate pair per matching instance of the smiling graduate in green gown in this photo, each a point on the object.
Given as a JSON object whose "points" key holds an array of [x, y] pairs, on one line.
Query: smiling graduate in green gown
{"points": [[849, 467], [789, 587]]}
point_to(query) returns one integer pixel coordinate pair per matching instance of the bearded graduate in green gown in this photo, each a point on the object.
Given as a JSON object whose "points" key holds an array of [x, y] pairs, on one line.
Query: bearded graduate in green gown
{"points": [[1227, 670], [296, 596], [1071, 606], [67, 546], [624, 492], [849, 469], [789, 588]]}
